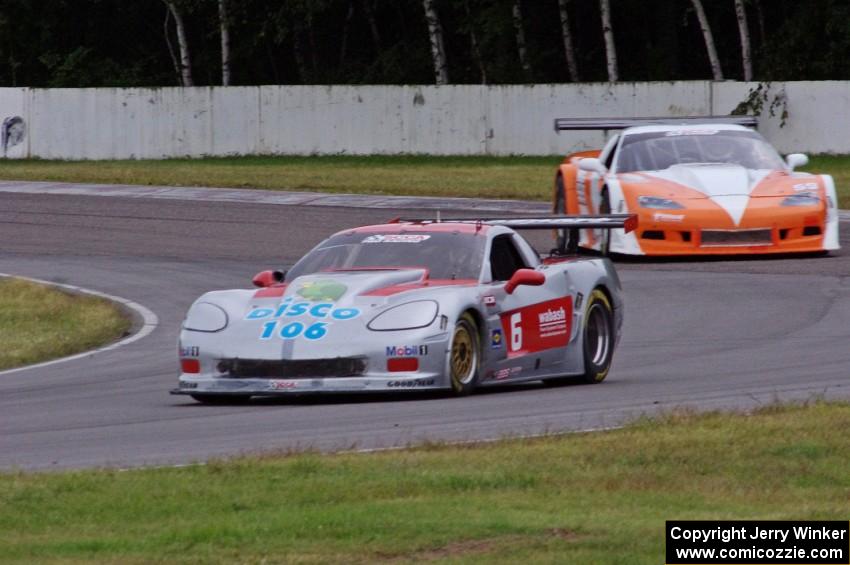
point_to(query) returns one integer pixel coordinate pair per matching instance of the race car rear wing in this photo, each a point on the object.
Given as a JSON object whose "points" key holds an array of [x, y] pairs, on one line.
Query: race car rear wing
{"points": [[576, 124], [603, 221], [565, 224]]}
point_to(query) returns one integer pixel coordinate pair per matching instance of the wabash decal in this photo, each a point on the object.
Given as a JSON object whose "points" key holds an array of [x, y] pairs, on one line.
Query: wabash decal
{"points": [[541, 326]]}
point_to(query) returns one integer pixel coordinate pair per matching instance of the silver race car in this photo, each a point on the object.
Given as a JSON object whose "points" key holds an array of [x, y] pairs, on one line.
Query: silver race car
{"points": [[410, 305]]}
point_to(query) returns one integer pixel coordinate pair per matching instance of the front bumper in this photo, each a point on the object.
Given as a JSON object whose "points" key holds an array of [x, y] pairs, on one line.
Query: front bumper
{"points": [[417, 362], [199, 385], [781, 232]]}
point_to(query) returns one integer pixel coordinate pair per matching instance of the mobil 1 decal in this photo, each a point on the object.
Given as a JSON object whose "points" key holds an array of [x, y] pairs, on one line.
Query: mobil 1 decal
{"points": [[537, 327]]}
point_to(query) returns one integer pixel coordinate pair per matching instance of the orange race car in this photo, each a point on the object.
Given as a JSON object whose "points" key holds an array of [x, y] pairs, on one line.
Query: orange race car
{"points": [[700, 186]]}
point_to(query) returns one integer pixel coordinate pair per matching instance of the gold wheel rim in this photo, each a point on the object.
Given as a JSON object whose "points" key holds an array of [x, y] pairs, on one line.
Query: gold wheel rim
{"points": [[463, 356]]}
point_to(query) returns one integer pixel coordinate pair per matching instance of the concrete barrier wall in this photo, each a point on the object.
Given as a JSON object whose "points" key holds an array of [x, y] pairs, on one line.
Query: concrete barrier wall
{"points": [[142, 123]]}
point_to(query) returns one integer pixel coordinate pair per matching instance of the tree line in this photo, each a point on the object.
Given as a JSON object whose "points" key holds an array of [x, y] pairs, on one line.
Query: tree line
{"points": [[86, 43]]}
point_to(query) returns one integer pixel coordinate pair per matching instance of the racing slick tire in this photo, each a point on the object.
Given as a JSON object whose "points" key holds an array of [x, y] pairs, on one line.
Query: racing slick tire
{"points": [[598, 337], [464, 355], [221, 399]]}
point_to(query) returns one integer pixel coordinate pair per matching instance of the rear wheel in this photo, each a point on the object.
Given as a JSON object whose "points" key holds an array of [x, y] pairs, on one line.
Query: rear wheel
{"points": [[598, 337], [464, 355]]}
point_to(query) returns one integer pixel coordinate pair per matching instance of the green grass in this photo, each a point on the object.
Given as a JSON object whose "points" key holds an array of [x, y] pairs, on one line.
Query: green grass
{"points": [[586, 498], [527, 178], [484, 177], [38, 323], [839, 167]]}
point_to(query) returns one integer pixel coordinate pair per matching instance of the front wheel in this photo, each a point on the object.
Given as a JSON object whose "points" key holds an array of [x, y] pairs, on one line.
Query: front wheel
{"points": [[464, 355], [598, 337], [605, 208]]}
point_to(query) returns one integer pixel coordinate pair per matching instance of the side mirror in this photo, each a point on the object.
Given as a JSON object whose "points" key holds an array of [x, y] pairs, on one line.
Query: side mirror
{"points": [[528, 277], [268, 278], [592, 165], [795, 160]]}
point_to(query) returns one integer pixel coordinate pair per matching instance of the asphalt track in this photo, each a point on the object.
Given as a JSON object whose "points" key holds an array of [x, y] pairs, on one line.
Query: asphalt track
{"points": [[700, 334]]}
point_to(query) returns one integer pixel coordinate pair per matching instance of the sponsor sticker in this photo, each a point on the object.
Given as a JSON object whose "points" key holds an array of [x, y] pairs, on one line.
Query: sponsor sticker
{"points": [[676, 133], [407, 350], [190, 351], [291, 319], [411, 383], [397, 238], [489, 300], [669, 218], [321, 291], [501, 374], [805, 186], [541, 326], [282, 385], [496, 339], [552, 322]]}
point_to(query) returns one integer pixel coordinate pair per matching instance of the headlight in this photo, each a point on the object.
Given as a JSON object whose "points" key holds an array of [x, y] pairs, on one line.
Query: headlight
{"points": [[205, 317], [409, 316], [658, 203], [802, 199]]}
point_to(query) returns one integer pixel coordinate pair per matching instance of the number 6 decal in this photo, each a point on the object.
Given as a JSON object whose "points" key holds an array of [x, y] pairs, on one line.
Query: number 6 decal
{"points": [[516, 331]]}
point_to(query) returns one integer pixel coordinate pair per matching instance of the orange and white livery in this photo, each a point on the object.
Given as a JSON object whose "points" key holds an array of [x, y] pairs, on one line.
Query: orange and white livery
{"points": [[698, 188]]}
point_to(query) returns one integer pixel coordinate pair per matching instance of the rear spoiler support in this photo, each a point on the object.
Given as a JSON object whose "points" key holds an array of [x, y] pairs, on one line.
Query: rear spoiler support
{"points": [[569, 224]]}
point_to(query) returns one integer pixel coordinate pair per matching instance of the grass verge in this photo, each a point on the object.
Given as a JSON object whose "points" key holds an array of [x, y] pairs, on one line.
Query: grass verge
{"points": [[528, 178], [839, 167], [585, 498], [525, 178], [38, 323]]}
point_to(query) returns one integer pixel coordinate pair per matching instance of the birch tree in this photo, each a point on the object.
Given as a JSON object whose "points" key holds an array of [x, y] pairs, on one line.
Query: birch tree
{"points": [[608, 34], [572, 67], [167, 33], [224, 27], [519, 29], [183, 43], [716, 72], [438, 50], [746, 60]]}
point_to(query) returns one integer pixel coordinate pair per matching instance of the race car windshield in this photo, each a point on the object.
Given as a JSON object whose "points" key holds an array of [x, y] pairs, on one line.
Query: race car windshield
{"points": [[655, 151], [445, 255]]}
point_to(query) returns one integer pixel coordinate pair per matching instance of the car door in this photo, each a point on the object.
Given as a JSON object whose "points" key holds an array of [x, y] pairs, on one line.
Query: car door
{"points": [[530, 326]]}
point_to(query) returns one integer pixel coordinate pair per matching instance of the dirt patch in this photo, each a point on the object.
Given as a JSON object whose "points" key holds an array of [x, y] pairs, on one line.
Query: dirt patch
{"points": [[476, 546]]}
